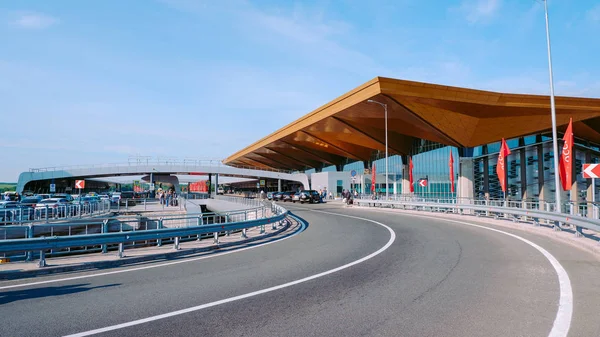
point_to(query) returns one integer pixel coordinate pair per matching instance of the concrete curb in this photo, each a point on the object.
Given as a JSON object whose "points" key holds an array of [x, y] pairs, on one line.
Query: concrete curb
{"points": [[13, 275]]}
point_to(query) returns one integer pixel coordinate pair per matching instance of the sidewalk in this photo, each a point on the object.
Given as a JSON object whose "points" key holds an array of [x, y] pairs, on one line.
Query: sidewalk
{"points": [[16, 270]]}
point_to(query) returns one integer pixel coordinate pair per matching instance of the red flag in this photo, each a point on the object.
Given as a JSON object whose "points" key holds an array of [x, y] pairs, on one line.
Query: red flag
{"points": [[565, 161], [451, 166], [373, 175], [501, 166], [410, 174]]}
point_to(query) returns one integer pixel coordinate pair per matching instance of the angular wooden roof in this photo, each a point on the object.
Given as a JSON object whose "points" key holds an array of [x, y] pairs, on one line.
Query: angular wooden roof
{"points": [[350, 127]]}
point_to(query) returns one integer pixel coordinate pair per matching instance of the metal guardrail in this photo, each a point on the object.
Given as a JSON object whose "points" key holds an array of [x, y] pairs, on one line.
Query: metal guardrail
{"points": [[43, 244], [26, 215], [579, 222]]}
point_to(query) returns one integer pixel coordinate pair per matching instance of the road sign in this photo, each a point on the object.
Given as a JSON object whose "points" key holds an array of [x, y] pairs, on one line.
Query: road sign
{"points": [[423, 182], [591, 170], [79, 183], [353, 173], [52, 188], [136, 182], [262, 182]]}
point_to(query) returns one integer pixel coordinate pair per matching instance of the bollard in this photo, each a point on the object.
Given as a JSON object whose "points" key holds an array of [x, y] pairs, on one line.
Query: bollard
{"points": [[176, 245], [29, 236], [126, 204], [121, 252], [104, 230], [216, 238], [244, 234], [42, 262], [160, 226], [262, 229]]}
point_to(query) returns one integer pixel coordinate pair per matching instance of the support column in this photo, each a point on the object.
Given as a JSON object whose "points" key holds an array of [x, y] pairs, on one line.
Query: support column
{"points": [[465, 180], [523, 160], [216, 183], [209, 185], [405, 181], [486, 177], [395, 187], [278, 185], [540, 169]]}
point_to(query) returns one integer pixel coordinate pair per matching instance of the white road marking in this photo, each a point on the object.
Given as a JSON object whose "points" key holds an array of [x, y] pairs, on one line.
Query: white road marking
{"points": [[146, 267], [255, 293], [562, 322]]}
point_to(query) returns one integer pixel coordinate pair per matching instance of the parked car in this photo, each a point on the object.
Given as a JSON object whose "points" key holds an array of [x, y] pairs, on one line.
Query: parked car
{"points": [[43, 196], [104, 197], [55, 206], [311, 196], [6, 208], [269, 195], [287, 196], [277, 196], [296, 197], [31, 201], [62, 196], [115, 197]]}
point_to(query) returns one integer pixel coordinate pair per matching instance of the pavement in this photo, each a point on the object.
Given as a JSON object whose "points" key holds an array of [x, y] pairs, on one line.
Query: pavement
{"points": [[345, 275]]}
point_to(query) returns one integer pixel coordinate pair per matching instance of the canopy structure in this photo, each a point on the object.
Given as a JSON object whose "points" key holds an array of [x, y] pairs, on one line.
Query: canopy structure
{"points": [[349, 127]]}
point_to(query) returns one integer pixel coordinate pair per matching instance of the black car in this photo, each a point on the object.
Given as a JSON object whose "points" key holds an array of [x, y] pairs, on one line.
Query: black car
{"points": [[311, 196], [287, 196]]}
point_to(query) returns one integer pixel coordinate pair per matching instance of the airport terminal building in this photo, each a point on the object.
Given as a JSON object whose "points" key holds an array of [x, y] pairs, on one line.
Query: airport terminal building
{"points": [[427, 122]]}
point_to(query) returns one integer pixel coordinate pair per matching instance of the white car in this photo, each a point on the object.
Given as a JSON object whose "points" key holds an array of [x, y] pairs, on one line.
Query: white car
{"points": [[104, 197]]}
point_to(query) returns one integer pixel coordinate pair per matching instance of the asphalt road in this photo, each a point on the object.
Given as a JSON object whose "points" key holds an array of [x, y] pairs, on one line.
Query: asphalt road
{"points": [[436, 279]]}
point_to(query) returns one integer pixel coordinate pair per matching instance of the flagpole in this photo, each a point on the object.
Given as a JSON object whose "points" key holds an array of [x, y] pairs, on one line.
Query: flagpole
{"points": [[553, 113]]}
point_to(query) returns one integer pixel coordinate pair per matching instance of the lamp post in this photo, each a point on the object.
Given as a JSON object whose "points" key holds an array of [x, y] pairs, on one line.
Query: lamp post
{"points": [[553, 113], [386, 146]]}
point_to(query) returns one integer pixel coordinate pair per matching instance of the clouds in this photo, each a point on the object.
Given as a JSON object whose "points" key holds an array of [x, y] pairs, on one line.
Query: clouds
{"points": [[480, 11], [34, 21]]}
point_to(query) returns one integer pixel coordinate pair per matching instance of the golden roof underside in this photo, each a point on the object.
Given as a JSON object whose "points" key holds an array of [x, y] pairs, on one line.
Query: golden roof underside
{"points": [[350, 127]]}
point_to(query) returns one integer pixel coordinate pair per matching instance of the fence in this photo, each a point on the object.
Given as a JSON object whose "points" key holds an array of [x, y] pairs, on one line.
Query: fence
{"points": [[49, 213], [493, 208], [95, 236]]}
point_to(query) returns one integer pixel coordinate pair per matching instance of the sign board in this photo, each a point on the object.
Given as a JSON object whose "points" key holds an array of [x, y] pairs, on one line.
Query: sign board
{"points": [[591, 170], [52, 188], [262, 182], [79, 183], [354, 179], [353, 173], [423, 182], [136, 182], [151, 187]]}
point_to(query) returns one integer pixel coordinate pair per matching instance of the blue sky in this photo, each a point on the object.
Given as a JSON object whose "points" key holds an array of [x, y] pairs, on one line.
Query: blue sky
{"points": [[85, 82]]}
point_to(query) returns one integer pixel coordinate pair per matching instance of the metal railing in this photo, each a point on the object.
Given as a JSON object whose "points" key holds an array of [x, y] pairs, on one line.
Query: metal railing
{"points": [[109, 234], [492, 208], [49, 213]]}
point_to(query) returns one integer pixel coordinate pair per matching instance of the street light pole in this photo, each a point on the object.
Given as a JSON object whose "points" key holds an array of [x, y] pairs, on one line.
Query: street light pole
{"points": [[553, 113], [386, 147]]}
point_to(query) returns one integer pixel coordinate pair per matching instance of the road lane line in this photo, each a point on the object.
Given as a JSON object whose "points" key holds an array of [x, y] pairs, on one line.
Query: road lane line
{"points": [[254, 293], [184, 260], [564, 314]]}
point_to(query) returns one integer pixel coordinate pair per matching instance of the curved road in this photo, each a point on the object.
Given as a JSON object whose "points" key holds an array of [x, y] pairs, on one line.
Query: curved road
{"points": [[436, 278]]}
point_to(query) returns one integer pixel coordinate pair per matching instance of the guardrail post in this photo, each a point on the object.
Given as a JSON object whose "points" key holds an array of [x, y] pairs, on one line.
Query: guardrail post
{"points": [[244, 234], [216, 238], [160, 226], [46, 213], [578, 231], [121, 253], [144, 204], [29, 236], [104, 231], [262, 229], [42, 262], [556, 227], [176, 245], [274, 225]]}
